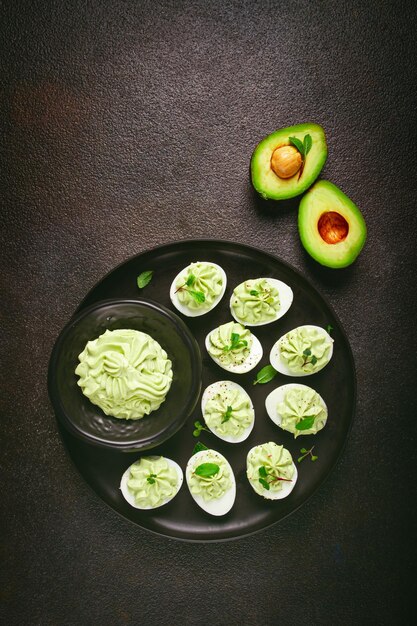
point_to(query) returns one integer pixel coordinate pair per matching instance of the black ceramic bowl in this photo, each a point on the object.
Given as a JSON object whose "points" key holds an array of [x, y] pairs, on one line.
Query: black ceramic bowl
{"points": [[86, 420]]}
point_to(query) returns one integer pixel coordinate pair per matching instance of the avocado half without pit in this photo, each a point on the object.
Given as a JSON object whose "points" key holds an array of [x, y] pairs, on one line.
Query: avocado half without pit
{"points": [[332, 228], [288, 161]]}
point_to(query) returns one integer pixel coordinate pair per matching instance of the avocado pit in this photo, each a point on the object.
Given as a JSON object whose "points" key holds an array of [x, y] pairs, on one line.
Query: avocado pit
{"points": [[285, 161], [332, 227]]}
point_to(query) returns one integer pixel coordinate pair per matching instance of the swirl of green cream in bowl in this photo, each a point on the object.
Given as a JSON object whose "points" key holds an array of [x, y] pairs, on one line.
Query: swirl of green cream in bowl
{"points": [[228, 411], [271, 470], [297, 409], [125, 372], [198, 288], [302, 351], [151, 482], [260, 301]]}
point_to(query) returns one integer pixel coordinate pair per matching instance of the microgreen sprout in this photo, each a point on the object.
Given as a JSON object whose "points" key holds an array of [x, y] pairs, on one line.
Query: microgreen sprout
{"points": [[236, 343], [197, 295], [310, 358], [266, 479], [227, 415], [198, 428], [305, 452]]}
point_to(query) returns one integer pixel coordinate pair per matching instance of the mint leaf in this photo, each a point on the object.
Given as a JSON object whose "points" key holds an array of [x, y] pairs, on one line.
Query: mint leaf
{"points": [[197, 295], [308, 142], [199, 447], [227, 415], [305, 423], [264, 483], [190, 280], [144, 279], [207, 470], [297, 143], [266, 374], [262, 471]]}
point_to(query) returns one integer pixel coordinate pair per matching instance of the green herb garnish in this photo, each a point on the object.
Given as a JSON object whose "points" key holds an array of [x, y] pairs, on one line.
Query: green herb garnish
{"points": [[198, 428], [266, 374], [303, 148], [253, 292], [306, 422], [264, 476], [305, 453], [199, 447], [227, 415], [144, 279], [236, 343], [151, 478], [310, 358], [329, 328], [197, 295], [207, 470]]}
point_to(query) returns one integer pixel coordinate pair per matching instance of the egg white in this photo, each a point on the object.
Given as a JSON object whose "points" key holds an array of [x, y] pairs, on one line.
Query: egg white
{"points": [[222, 505], [286, 489], [286, 297], [196, 312], [251, 361], [213, 390], [280, 366], [131, 499], [277, 395]]}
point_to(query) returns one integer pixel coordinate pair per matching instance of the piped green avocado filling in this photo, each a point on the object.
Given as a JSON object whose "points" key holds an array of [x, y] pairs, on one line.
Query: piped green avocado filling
{"points": [[125, 372], [302, 411], [214, 486], [199, 285], [152, 481], [304, 350], [230, 343], [228, 412], [256, 301], [268, 467]]}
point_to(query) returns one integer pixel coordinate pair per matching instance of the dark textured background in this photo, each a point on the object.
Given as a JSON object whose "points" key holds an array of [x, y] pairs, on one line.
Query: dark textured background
{"points": [[128, 124]]}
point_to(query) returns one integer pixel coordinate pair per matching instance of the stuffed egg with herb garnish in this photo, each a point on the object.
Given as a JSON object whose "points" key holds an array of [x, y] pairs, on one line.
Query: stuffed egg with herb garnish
{"points": [[211, 482], [228, 411], [297, 409], [260, 301], [198, 288], [151, 482], [271, 471], [234, 348], [302, 351]]}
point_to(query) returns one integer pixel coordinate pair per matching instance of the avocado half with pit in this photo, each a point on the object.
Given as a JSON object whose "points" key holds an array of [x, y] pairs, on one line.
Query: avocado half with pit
{"points": [[332, 228], [280, 170]]}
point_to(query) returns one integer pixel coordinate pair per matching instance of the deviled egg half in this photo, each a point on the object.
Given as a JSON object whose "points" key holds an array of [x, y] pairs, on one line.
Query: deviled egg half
{"points": [[297, 408], [260, 301], [228, 411], [211, 482], [302, 351], [271, 471], [151, 482], [234, 348], [198, 288]]}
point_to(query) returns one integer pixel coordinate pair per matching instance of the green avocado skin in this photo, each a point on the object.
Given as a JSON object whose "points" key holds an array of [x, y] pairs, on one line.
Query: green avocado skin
{"points": [[331, 198], [264, 180]]}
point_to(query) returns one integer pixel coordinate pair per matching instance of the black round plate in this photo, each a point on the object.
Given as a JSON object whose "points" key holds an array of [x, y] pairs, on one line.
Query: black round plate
{"points": [[182, 518]]}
